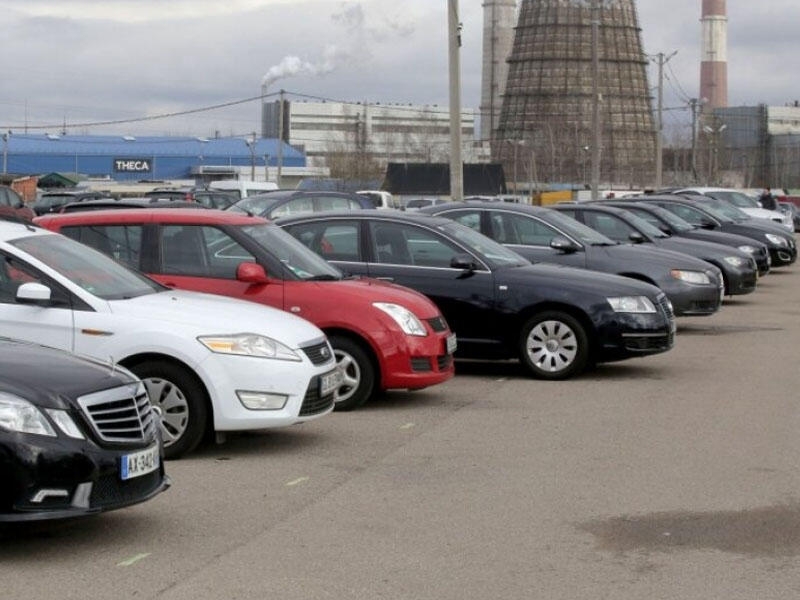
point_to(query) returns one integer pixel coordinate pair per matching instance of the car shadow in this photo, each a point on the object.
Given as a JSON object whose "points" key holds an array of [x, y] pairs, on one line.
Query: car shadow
{"points": [[514, 370]]}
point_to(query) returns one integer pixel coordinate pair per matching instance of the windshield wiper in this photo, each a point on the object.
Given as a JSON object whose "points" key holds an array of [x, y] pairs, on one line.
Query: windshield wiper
{"points": [[323, 278]]}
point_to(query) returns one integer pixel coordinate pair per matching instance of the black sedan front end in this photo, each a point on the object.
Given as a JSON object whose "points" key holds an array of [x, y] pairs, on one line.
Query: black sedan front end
{"points": [[76, 437]]}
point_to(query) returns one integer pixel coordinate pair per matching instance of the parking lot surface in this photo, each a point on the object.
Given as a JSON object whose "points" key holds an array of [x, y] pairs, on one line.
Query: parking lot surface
{"points": [[672, 476]]}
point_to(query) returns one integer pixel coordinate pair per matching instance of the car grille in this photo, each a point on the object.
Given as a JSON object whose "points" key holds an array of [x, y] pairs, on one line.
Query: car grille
{"points": [[319, 354], [313, 403], [665, 306], [420, 364], [110, 490], [123, 414], [642, 343], [438, 324]]}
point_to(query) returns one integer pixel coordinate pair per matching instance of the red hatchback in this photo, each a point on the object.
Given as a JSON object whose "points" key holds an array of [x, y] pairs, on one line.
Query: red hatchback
{"points": [[385, 336]]}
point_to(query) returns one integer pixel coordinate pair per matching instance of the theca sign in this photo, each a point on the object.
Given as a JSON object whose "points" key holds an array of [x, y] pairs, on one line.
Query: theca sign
{"points": [[132, 165]]}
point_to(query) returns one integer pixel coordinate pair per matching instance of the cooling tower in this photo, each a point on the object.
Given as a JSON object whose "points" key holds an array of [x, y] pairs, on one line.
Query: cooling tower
{"points": [[499, 17], [545, 129]]}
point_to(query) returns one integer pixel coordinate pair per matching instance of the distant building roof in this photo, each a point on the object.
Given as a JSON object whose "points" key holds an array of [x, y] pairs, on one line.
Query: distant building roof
{"points": [[434, 179]]}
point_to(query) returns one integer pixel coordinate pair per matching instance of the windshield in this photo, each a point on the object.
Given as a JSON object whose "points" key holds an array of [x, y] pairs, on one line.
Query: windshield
{"points": [[729, 210], [255, 205], [298, 260], [645, 227], [578, 230], [736, 198], [494, 254], [89, 269], [672, 219]]}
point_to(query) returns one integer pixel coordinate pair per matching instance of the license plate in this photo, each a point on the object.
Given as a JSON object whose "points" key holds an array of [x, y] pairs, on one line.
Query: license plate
{"points": [[452, 344], [329, 382], [139, 463]]}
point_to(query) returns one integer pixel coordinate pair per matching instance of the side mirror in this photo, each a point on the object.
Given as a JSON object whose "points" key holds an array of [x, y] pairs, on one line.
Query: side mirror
{"points": [[636, 237], [463, 261], [250, 272], [665, 229], [708, 224], [564, 245], [33, 293]]}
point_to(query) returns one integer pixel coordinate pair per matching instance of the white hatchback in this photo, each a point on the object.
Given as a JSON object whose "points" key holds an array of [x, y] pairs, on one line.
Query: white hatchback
{"points": [[211, 363]]}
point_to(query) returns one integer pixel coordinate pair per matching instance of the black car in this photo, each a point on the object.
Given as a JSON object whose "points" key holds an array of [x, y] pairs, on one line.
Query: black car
{"points": [[704, 212], [77, 437], [555, 319], [622, 226], [52, 202], [738, 269], [207, 198], [280, 203], [542, 234], [672, 224]]}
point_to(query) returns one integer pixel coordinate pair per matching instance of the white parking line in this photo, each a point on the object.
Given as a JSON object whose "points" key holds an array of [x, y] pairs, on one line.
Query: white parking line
{"points": [[297, 481], [407, 426], [133, 559]]}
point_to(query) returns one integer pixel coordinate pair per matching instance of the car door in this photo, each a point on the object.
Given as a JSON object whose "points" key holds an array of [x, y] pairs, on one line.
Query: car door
{"points": [[49, 325], [420, 258], [339, 241], [204, 258], [531, 237]]}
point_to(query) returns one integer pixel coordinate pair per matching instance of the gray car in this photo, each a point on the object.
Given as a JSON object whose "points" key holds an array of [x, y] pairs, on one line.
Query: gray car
{"points": [[544, 235]]}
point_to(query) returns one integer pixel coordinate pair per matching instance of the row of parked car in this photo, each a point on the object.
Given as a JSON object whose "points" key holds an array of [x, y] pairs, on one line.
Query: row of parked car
{"points": [[324, 309]]}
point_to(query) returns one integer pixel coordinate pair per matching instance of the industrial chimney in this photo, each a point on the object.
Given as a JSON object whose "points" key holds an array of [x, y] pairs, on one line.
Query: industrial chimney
{"points": [[499, 18], [714, 68]]}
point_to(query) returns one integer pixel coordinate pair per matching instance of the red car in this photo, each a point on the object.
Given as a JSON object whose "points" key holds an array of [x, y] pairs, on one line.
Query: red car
{"points": [[384, 336]]}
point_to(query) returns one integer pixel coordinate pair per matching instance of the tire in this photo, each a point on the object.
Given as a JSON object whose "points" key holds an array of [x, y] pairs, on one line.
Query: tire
{"points": [[359, 374], [182, 400], [554, 345]]}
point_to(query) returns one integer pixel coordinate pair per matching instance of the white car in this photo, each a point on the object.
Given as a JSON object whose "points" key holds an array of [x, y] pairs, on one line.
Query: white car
{"points": [[747, 204], [210, 363]]}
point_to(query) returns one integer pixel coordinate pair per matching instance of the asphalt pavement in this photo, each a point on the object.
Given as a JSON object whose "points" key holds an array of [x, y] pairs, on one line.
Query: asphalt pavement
{"points": [[671, 476]]}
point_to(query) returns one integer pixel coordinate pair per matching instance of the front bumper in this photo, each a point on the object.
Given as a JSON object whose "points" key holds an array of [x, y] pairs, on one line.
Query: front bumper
{"points": [[628, 335], [693, 299], [783, 256], [225, 375], [741, 280], [59, 478]]}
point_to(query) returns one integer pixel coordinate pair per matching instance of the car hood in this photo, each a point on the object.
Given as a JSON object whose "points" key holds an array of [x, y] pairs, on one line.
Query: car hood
{"points": [[699, 248], [363, 291], [640, 255], [207, 314], [51, 378], [763, 213], [571, 279]]}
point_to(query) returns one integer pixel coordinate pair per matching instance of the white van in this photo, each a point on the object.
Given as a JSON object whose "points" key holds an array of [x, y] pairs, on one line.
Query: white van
{"points": [[381, 199], [244, 187]]}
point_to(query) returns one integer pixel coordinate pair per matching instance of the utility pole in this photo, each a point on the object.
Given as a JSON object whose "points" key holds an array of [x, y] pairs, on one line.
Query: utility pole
{"points": [[693, 104], [5, 152], [456, 165], [280, 140], [662, 60], [595, 184]]}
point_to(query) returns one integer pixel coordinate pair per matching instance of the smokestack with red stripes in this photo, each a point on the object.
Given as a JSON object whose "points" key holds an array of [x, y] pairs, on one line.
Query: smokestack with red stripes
{"points": [[714, 68]]}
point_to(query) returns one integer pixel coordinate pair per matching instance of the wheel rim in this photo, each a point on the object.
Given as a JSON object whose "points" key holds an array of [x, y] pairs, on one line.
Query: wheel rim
{"points": [[351, 376], [174, 408], [552, 346]]}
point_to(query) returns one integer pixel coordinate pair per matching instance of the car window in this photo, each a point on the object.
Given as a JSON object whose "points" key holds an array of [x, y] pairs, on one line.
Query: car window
{"points": [[609, 225], [122, 242], [647, 216], [324, 203], [469, 218], [338, 240], [403, 244], [201, 251], [687, 213], [293, 207], [14, 272], [520, 229]]}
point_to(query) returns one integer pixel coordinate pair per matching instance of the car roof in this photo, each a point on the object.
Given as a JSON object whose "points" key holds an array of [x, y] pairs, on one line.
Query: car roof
{"points": [[161, 215], [415, 217], [485, 204]]}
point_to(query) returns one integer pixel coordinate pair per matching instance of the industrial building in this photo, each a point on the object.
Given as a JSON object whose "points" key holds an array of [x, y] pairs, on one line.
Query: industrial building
{"points": [[134, 158], [377, 133]]}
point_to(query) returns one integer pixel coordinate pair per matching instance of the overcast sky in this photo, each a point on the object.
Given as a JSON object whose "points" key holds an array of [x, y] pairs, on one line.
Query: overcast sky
{"points": [[84, 61]]}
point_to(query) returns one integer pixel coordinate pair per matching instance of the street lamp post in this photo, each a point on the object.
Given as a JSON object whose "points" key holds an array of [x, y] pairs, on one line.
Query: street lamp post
{"points": [[5, 152], [713, 134]]}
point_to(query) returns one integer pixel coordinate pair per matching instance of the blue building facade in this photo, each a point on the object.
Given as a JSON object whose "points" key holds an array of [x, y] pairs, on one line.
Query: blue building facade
{"points": [[134, 158]]}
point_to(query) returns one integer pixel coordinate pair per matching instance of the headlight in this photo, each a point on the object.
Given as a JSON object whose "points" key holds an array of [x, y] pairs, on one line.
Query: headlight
{"points": [[776, 239], [405, 319], [748, 249], [736, 261], [249, 344], [21, 416], [697, 277], [632, 304]]}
